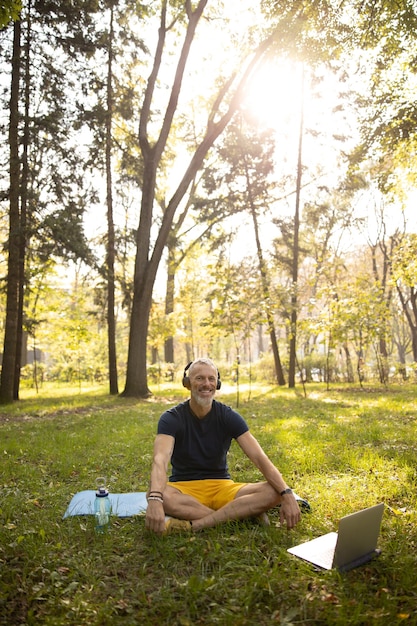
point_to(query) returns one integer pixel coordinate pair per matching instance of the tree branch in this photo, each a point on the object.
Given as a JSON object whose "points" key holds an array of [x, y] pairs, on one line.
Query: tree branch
{"points": [[150, 87], [179, 75]]}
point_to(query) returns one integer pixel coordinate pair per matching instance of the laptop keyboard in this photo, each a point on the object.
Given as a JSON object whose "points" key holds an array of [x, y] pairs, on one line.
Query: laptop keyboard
{"points": [[323, 557]]}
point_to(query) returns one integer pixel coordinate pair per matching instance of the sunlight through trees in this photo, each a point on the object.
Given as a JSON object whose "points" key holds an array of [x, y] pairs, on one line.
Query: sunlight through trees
{"points": [[155, 190]]}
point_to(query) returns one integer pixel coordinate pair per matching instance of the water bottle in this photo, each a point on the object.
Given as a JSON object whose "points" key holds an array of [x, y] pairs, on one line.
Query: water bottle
{"points": [[102, 506]]}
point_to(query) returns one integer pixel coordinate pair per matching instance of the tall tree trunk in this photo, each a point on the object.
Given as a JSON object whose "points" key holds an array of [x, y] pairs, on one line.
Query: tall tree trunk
{"points": [[383, 362], [111, 319], [169, 298], [382, 280], [294, 294], [409, 306], [349, 365], [23, 210], [8, 371], [279, 372]]}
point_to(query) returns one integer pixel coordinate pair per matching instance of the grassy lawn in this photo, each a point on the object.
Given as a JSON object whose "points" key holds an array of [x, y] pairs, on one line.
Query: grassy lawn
{"points": [[342, 449]]}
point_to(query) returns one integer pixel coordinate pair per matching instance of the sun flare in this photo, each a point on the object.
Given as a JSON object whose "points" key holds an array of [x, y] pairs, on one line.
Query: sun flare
{"points": [[274, 94], [288, 97]]}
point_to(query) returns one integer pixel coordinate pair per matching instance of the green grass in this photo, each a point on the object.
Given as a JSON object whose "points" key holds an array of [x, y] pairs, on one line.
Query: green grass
{"points": [[342, 449]]}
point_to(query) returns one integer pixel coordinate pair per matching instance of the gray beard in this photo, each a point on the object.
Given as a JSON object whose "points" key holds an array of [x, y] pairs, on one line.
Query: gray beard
{"points": [[203, 402]]}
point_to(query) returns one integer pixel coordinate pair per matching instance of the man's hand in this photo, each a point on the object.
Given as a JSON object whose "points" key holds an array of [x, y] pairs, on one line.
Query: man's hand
{"points": [[290, 511], [155, 517]]}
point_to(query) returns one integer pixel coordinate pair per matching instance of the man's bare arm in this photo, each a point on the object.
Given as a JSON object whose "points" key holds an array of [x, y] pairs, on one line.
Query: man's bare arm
{"points": [[155, 515], [290, 511]]}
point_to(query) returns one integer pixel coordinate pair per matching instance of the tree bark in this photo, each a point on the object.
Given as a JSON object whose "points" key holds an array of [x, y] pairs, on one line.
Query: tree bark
{"points": [[24, 209], [169, 299], [349, 366], [8, 371], [111, 319], [410, 311]]}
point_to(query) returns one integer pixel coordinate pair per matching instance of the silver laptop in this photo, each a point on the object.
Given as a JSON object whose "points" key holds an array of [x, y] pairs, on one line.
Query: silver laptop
{"points": [[354, 544]]}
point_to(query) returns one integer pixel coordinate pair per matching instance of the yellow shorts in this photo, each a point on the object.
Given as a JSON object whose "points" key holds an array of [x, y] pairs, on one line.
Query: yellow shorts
{"points": [[213, 493]]}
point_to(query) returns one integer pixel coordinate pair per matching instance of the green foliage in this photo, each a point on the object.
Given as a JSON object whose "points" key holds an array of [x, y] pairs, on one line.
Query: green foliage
{"points": [[161, 326], [9, 11], [68, 325], [264, 369], [233, 290], [405, 261], [341, 449], [386, 108]]}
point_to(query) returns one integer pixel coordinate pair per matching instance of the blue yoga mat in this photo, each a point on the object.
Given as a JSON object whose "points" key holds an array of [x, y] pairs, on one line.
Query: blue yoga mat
{"points": [[124, 504]]}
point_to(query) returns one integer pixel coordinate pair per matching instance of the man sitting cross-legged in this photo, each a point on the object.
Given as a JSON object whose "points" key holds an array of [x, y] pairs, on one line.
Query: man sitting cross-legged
{"points": [[196, 436]]}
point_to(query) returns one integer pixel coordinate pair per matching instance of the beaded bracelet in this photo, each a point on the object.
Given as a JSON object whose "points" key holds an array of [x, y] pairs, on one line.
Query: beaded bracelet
{"points": [[156, 498]]}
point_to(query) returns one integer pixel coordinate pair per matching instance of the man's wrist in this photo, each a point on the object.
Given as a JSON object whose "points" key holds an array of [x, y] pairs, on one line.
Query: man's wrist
{"points": [[285, 491], [155, 496]]}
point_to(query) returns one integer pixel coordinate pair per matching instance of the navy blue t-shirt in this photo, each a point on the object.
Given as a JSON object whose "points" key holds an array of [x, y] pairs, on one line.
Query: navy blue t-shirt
{"points": [[201, 445]]}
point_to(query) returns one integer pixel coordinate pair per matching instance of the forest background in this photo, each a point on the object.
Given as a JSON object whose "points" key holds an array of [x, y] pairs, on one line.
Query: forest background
{"points": [[189, 178]]}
